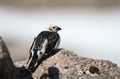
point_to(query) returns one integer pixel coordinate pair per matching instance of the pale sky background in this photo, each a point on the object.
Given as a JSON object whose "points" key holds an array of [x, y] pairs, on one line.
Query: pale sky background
{"points": [[89, 32]]}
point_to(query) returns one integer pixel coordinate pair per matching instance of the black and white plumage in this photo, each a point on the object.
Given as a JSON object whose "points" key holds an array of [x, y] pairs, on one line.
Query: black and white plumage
{"points": [[43, 45]]}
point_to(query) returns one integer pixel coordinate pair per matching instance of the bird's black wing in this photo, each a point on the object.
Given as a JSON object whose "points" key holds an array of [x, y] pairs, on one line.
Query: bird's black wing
{"points": [[41, 51], [52, 38]]}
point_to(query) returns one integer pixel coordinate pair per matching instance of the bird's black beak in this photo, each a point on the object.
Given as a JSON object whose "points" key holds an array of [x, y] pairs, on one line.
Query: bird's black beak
{"points": [[59, 28]]}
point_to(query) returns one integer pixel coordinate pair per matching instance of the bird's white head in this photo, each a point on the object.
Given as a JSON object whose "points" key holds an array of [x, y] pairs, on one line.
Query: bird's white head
{"points": [[54, 28]]}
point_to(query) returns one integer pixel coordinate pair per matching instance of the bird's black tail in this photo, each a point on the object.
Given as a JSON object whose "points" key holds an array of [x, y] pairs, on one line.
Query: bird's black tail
{"points": [[31, 50], [29, 58]]}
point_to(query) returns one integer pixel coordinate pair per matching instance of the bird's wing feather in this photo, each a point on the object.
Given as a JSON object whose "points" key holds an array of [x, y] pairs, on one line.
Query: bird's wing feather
{"points": [[52, 38]]}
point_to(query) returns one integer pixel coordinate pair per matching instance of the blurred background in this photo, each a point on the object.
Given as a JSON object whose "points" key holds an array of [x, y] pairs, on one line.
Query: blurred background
{"points": [[91, 28]]}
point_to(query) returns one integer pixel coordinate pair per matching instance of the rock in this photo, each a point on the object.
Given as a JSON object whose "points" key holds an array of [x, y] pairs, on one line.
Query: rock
{"points": [[68, 65], [7, 68], [62, 65]]}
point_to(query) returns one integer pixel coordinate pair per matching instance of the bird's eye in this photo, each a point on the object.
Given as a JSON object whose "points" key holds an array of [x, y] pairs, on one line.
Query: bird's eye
{"points": [[53, 27]]}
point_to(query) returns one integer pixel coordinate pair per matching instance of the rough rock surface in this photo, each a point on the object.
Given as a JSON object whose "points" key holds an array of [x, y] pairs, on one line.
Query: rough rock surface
{"points": [[63, 65], [67, 65]]}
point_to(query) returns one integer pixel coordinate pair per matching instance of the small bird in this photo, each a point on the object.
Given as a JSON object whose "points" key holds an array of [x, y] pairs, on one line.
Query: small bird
{"points": [[43, 45]]}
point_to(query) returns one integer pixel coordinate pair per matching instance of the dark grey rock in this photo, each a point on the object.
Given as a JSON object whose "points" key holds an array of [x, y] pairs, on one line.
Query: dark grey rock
{"points": [[7, 68]]}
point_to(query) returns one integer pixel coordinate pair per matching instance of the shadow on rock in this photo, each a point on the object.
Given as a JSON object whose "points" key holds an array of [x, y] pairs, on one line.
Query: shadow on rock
{"points": [[53, 73]]}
